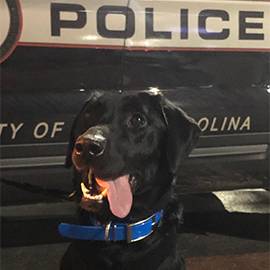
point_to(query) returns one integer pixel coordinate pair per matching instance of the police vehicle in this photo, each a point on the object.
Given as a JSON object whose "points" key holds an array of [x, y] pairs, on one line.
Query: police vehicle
{"points": [[210, 57]]}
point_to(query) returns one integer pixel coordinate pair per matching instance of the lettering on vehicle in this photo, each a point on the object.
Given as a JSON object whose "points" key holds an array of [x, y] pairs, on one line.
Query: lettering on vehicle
{"points": [[41, 130], [219, 16], [53, 130], [172, 25], [233, 123]]}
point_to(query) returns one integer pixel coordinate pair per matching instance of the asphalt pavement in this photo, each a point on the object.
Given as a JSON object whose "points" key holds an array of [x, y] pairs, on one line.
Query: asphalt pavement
{"points": [[221, 231]]}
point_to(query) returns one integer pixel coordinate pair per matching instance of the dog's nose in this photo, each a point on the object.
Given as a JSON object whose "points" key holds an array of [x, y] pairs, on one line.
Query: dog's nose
{"points": [[92, 143], [96, 148]]}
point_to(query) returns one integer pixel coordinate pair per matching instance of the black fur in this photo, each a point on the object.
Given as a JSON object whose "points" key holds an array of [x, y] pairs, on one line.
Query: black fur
{"points": [[152, 152]]}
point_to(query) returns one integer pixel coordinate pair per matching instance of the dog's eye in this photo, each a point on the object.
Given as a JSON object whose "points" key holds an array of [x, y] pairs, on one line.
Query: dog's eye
{"points": [[137, 120]]}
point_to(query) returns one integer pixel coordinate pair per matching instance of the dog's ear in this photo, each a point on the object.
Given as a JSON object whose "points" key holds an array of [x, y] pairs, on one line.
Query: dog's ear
{"points": [[182, 134], [75, 126]]}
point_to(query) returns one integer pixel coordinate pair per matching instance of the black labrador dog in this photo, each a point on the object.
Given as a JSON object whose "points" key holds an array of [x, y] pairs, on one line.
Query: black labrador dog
{"points": [[126, 149]]}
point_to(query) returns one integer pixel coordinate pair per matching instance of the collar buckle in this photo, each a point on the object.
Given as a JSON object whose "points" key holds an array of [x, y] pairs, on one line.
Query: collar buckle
{"points": [[108, 228], [107, 231]]}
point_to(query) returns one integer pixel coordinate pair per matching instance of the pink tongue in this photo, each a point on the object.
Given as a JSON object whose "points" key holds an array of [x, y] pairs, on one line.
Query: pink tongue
{"points": [[119, 195]]}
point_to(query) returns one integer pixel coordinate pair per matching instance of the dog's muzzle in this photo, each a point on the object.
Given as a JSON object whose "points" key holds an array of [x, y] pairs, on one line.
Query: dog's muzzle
{"points": [[92, 142]]}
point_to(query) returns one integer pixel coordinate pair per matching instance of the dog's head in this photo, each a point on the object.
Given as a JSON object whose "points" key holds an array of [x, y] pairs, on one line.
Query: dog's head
{"points": [[126, 148]]}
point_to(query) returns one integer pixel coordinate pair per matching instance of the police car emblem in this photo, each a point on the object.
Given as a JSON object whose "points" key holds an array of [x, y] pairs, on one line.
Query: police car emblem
{"points": [[11, 23]]}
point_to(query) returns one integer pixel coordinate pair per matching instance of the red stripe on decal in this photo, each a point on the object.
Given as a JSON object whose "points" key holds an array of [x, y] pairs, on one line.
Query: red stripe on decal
{"points": [[115, 47]]}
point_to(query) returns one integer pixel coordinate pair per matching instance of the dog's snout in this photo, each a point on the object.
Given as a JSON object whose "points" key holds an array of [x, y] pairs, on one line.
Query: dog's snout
{"points": [[91, 147], [91, 143]]}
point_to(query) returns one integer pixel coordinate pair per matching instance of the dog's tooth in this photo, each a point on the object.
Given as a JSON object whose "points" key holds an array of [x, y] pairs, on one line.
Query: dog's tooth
{"points": [[87, 194], [95, 197], [84, 189], [103, 193], [99, 197]]}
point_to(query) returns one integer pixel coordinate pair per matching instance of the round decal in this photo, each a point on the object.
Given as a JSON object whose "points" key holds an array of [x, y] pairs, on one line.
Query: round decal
{"points": [[11, 24]]}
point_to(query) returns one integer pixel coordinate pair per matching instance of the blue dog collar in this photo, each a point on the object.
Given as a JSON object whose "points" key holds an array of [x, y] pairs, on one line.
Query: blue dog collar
{"points": [[113, 231]]}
